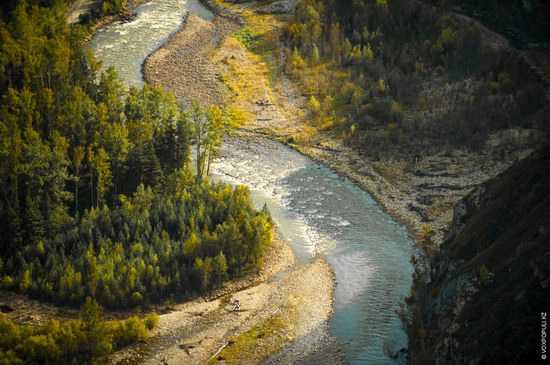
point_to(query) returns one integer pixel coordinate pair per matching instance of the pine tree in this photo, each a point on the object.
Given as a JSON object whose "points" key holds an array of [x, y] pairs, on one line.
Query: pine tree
{"points": [[315, 55], [34, 223], [151, 170], [78, 157], [297, 61], [168, 151], [102, 169]]}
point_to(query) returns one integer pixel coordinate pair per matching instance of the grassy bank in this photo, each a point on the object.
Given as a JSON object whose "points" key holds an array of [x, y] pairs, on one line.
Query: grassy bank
{"points": [[256, 344]]}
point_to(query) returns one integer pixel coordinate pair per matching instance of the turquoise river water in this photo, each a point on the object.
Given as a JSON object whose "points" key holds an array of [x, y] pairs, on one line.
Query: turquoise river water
{"points": [[318, 211]]}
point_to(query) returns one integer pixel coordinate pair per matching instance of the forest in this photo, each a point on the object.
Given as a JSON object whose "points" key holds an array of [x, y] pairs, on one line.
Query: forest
{"points": [[100, 202], [98, 191], [104, 8], [396, 77], [88, 339]]}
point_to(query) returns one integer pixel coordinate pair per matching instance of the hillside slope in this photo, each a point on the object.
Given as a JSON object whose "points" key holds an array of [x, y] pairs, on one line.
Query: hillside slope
{"points": [[491, 280]]}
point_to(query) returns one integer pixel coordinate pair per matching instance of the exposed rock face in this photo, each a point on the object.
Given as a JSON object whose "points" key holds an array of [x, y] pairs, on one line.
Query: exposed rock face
{"points": [[279, 7], [491, 280]]}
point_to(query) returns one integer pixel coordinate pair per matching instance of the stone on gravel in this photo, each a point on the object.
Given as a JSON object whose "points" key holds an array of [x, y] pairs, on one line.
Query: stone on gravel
{"points": [[279, 7]]}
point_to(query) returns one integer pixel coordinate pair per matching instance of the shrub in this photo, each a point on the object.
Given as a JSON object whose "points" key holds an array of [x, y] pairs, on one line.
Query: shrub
{"points": [[130, 331], [151, 320]]}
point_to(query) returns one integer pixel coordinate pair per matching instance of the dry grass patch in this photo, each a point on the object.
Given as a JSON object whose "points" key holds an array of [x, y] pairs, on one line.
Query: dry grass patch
{"points": [[244, 77], [256, 344]]}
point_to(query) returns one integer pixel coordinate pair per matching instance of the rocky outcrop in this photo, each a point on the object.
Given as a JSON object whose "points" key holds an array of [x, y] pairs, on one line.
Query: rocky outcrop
{"points": [[221, 11], [279, 7], [490, 282]]}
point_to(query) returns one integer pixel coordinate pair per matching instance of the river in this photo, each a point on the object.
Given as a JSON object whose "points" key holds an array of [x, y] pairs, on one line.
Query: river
{"points": [[316, 210], [126, 45]]}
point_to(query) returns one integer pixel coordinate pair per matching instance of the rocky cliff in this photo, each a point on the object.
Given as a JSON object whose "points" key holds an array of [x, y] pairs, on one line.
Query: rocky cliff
{"points": [[524, 20], [490, 281]]}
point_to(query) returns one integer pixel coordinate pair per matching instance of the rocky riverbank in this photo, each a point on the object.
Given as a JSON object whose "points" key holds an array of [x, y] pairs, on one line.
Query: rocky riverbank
{"points": [[286, 299], [301, 299], [84, 8], [183, 65], [420, 193], [297, 297], [203, 62]]}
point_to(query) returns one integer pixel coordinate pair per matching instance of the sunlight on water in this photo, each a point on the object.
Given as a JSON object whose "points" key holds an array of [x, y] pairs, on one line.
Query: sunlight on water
{"points": [[320, 212]]}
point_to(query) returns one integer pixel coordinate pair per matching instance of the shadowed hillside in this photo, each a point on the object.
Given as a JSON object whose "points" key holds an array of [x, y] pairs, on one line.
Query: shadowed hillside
{"points": [[490, 282]]}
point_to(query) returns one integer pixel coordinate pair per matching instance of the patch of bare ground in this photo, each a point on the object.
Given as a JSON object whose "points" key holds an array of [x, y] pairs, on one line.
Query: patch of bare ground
{"points": [[298, 296], [24, 311], [183, 65], [421, 196]]}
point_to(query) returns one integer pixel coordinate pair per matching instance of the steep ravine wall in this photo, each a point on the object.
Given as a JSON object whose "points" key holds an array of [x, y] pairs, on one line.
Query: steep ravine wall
{"points": [[491, 280]]}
